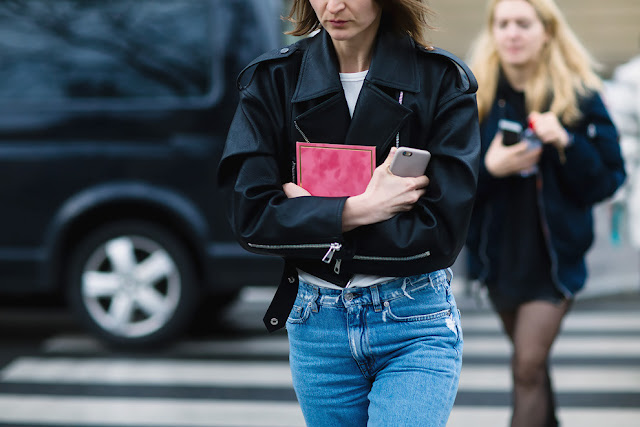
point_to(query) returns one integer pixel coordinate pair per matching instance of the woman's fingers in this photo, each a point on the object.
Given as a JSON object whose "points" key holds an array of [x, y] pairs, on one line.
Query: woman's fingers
{"points": [[293, 190], [392, 152], [549, 129], [502, 160]]}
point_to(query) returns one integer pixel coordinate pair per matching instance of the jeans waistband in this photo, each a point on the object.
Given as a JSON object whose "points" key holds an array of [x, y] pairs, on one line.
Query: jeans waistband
{"points": [[375, 294]]}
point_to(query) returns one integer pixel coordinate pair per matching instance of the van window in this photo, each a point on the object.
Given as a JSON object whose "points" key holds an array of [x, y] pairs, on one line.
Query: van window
{"points": [[56, 50]]}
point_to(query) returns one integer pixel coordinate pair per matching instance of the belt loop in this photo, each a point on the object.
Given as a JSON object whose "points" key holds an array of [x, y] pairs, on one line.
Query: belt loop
{"points": [[375, 298], [449, 274], [316, 297]]}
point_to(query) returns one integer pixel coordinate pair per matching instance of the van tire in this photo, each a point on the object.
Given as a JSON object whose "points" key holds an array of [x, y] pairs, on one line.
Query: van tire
{"points": [[118, 297]]}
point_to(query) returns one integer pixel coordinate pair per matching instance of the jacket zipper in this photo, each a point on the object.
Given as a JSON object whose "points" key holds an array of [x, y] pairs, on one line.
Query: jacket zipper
{"points": [[391, 258], [333, 248], [336, 268], [294, 174], [295, 123]]}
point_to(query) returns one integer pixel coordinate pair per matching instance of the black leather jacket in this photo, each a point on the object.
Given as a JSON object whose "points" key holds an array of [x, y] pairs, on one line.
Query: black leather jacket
{"points": [[296, 90]]}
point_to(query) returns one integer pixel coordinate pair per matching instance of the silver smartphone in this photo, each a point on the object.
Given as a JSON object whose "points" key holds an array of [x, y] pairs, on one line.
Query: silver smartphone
{"points": [[410, 162]]}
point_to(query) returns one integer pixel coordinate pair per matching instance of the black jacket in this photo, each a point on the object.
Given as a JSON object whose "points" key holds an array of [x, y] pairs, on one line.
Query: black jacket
{"points": [[297, 90]]}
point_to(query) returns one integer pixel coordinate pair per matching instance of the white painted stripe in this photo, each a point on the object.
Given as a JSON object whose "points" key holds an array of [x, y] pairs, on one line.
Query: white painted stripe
{"points": [[257, 294], [83, 411], [148, 372], [593, 321], [565, 379], [277, 374], [465, 416], [565, 346]]}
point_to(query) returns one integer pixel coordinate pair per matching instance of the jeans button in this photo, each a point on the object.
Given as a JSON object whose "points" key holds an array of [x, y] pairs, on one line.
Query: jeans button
{"points": [[348, 297]]}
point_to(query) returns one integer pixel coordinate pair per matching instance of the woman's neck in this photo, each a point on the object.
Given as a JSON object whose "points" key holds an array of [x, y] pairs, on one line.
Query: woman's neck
{"points": [[355, 54], [353, 59], [518, 76]]}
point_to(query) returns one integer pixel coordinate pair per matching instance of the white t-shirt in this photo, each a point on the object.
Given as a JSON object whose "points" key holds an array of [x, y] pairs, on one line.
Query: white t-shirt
{"points": [[352, 85]]}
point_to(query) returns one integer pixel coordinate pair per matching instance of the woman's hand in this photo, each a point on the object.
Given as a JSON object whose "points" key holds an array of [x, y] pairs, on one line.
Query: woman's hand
{"points": [[502, 160], [385, 196], [549, 129], [293, 190]]}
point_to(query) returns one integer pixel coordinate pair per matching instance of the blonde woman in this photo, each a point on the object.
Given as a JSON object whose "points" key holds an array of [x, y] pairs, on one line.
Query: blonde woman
{"points": [[532, 222]]}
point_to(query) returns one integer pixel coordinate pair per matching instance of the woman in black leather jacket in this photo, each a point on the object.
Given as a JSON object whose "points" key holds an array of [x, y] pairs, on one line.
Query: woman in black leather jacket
{"points": [[366, 291]]}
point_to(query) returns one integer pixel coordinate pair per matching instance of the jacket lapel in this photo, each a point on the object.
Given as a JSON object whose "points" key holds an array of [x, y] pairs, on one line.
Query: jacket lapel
{"points": [[325, 115], [376, 120], [378, 117]]}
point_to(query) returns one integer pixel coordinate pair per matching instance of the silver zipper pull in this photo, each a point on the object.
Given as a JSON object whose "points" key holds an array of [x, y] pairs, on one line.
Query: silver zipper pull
{"points": [[336, 268], [332, 250]]}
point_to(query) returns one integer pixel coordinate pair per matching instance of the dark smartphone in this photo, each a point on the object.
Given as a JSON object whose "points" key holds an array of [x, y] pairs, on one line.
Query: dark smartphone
{"points": [[510, 131]]}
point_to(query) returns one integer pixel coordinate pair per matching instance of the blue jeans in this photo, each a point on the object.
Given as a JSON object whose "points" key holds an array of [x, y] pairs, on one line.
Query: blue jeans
{"points": [[387, 355]]}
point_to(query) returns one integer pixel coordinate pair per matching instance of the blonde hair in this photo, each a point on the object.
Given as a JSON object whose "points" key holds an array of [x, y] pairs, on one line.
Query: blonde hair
{"points": [[410, 17], [565, 70]]}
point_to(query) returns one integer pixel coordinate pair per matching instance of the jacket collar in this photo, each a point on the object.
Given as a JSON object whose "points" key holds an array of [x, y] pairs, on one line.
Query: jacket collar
{"points": [[319, 70]]}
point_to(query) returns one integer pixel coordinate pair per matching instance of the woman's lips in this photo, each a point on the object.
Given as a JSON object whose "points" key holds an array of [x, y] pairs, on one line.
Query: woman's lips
{"points": [[337, 23]]}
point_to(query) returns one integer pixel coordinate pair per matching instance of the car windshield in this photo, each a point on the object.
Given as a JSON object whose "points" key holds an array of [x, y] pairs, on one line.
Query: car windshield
{"points": [[52, 50]]}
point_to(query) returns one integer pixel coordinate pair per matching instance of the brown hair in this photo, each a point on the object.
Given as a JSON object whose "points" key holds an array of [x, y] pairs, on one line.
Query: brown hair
{"points": [[404, 16]]}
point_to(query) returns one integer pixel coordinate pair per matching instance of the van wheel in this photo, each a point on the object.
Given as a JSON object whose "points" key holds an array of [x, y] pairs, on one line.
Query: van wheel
{"points": [[133, 284]]}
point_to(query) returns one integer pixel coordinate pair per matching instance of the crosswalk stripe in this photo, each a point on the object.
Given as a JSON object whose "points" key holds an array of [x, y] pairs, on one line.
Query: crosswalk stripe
{"points": [[593, 321], [482, 416], [277, 374], [88, 411], [84, 411], [147, 372], [565, 379], [565, 346]]}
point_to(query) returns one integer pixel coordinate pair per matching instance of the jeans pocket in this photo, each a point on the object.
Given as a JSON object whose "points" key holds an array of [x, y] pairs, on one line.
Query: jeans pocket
{"points": [[425, 304], [300, 312], [418, 316]]}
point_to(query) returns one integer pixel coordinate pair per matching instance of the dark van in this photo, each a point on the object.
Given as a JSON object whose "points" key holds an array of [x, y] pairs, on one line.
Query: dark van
{"points": [[113, 115]]}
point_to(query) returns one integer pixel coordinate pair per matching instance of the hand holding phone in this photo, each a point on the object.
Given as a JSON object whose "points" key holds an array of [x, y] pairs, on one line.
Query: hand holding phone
{"points": [[410, 162], [511, 131]]}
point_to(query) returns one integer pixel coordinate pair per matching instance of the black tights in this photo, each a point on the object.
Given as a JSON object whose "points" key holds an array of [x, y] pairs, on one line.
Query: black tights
{"points": [[532, 328]]}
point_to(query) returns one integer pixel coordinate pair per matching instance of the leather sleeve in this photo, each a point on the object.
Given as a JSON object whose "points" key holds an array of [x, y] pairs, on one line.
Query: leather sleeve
{"points": [[251, 174], [439, 221]]}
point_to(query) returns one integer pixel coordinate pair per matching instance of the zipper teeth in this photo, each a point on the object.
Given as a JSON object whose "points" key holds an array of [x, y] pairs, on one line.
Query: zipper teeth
{"points": [[295, 123], [383, 258], [300, 246], [329, 245], [294, 175]]}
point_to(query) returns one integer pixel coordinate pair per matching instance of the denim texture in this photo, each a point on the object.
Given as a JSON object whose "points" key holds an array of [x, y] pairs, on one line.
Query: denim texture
{"points": [[385, 355]]}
